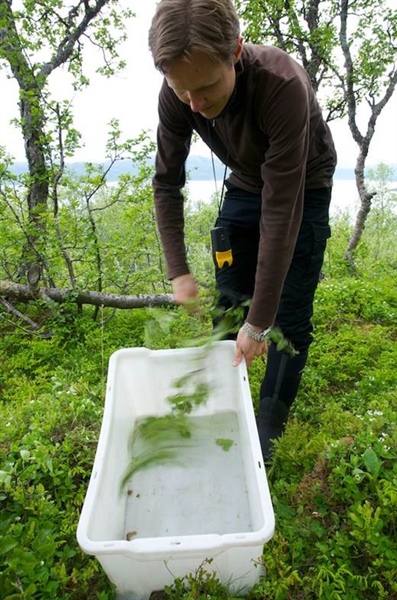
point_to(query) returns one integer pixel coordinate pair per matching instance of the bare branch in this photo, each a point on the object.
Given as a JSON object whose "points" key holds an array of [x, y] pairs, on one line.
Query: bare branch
{"points": [[16, 313], [57, 179], [22, 293]]}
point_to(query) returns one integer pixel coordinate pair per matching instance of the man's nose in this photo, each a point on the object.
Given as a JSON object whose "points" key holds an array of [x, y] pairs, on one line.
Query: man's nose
{"points": [[196, 101]]}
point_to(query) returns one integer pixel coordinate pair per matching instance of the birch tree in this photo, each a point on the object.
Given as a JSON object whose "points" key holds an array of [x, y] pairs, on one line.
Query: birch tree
{"points": [[349, 49], [36, 38]]}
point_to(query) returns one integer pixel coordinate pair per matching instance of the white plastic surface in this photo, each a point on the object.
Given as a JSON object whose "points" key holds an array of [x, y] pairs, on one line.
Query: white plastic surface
{"points": [[212, 503]]}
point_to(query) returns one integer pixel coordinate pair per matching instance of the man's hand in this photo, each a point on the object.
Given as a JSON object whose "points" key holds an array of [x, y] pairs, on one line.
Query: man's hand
{"points": [[248, 347], [185, 291]]}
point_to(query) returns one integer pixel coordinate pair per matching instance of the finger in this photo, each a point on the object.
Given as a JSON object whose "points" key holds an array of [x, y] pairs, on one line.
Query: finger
{"points": [[263, 348], [248, 359], [237, 357]]}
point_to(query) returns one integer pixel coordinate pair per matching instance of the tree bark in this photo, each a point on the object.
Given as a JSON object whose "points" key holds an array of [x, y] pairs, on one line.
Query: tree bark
{"points": [[363, 141], [23, 293], [16, 313]]}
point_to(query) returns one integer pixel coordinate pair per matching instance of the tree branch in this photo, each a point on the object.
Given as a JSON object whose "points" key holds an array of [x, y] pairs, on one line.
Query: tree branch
{"points": [[16, 313], [23, 293], [349, 79], [66, 46]]}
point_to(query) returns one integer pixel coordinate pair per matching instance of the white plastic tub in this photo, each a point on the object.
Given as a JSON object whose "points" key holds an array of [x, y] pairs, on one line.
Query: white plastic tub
{"points": [[213, 504]]}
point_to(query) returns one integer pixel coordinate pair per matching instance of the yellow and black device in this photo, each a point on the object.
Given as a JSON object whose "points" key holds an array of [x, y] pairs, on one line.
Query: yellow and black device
{"points": [[221, 248]]}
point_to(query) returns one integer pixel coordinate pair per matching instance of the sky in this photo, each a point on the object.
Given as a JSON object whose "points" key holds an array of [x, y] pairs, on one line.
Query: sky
{"points": [[131, 97]]}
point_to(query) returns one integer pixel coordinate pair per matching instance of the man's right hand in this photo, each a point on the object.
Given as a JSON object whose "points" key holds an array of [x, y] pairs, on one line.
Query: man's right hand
{"points": [[185, 291]]}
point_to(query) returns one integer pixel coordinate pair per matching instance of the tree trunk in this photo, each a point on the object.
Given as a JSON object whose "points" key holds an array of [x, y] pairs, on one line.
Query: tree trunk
{"points": [[363, 212], [32, 122]]}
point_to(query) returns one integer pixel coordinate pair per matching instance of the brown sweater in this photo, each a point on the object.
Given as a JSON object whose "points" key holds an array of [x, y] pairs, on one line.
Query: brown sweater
{"points": [[272, 137]]}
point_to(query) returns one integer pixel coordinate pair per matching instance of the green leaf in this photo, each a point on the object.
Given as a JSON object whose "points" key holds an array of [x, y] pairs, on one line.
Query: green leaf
{"points": [[224, 443], [47, 550], [7, 543], [372, 462]]}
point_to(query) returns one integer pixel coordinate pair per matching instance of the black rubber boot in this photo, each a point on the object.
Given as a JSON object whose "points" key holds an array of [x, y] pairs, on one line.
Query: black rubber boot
{"points": [[271, 421], [283, 375], [278, 392]]}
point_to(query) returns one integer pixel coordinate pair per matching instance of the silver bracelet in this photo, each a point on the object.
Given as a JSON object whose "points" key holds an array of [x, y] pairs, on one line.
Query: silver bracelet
{"points": [[255, 335]]}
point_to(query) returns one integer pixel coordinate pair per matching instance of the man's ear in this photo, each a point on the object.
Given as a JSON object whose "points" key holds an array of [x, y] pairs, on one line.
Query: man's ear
{"points": [[238, 50]]}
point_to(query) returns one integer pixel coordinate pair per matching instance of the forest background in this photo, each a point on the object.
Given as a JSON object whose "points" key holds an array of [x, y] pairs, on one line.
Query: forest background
{"points": [[82, 275]]}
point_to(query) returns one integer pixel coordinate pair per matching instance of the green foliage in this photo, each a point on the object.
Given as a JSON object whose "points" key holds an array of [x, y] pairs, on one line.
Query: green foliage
{"points": [[32, 22], [224, 443], [312, 32], [100, 237], [36, 38], [200, 585], [333, 477], [47, 447], [283, 23], [376, 251], [51, 407], [342, 500], [158, 440], [276, 337]]}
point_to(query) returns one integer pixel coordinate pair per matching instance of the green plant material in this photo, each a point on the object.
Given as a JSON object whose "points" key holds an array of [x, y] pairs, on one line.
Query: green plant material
{"points": [[202, 584], [372, 462], [185, 402], [224, 443], [277, 337], [150, 457], [51, 411], [162, 429], [229, 322], [155, 436], [335, 503], [161, 440]]}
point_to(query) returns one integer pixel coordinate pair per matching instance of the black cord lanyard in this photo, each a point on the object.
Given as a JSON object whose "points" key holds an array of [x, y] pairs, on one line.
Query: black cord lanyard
{"points": [[221, 198], [220, 241]]}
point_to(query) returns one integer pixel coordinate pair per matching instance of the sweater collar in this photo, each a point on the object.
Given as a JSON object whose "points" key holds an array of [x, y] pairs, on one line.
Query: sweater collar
{"points": [[234, 100]]}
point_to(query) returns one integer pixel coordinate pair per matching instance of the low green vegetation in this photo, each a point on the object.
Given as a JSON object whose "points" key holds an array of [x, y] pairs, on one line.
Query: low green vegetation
{"points": [[333, 479]]}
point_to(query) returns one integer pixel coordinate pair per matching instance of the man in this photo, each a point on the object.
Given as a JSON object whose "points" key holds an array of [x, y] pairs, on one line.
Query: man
{"points": [[255, 108]]}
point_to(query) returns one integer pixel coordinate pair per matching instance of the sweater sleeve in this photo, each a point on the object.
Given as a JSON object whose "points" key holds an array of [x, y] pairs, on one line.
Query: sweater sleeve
{"points": [[286, 118], [173, 144]]}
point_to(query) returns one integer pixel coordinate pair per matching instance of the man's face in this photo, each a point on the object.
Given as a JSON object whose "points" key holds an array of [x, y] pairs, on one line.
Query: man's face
{"points": [[202, 83]]}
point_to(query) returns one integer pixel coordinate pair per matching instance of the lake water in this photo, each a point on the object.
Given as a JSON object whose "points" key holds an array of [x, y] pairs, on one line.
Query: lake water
{"points": [[344, 195]]}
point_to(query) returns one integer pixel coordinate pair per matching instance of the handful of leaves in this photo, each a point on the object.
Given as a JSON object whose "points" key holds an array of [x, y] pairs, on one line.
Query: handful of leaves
{"points": [[159, 440], [156, 440], [230, 321]]}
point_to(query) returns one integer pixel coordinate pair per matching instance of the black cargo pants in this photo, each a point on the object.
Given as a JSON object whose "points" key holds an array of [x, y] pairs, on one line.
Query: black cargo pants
{"points": [[240, 213]]}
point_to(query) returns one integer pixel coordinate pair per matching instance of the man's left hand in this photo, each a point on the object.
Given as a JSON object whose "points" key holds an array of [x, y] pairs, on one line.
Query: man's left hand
{"points": [[247, 347]]}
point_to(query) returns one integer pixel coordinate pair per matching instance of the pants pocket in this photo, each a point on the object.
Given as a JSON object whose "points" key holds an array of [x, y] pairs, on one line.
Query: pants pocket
{"points": [[321, 233]]}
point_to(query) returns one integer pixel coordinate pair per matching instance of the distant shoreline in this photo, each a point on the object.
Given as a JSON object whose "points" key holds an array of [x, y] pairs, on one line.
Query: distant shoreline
{"points": [[200, 168], [345, 198]]}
